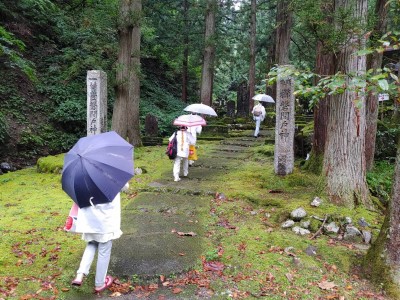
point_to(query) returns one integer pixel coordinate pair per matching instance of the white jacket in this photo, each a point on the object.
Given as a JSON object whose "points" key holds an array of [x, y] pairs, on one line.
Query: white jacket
{"points": [[184, 139], [101, 219]]}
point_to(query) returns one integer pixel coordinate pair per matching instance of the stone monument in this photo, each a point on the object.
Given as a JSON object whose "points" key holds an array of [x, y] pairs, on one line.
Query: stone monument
{"points": [[284, 125], [96, 81], [151, 137], [230, 108]]}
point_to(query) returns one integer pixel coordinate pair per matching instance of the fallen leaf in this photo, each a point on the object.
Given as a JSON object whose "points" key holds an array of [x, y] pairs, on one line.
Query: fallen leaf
{"points": [[162, 278], [326, 285], [64, 289], [289, 277], [213, 266], [176, 290], [182, 254], [116, 294]]}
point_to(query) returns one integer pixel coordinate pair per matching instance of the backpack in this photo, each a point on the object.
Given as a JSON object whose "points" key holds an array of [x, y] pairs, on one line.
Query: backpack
{"points": [[172, 148], [257, 112]]}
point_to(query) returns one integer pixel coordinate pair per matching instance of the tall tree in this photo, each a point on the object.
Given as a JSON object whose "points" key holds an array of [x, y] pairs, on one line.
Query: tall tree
{"points": [[125, 120], [344, 161], [207, 73], [284, 20], [185, 59], [134, 77], [120, 118], [324, 66], [252, 68], [374, 62]]}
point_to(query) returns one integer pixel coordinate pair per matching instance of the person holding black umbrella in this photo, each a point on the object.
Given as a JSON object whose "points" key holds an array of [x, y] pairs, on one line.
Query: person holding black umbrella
{"points": [[95, 171]]}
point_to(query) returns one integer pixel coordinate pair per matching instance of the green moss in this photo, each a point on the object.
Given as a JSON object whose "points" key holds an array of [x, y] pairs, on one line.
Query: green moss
{"points": [[50, 164]]}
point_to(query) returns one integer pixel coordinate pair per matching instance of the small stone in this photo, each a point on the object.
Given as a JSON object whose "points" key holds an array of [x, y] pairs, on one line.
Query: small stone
{"points": [[332, 228], [305, 224], [298, 214], [316, 202], [267, 215], [287, 224], [300, 231], [311, 250], [367, 236], [352, 233], [253, 213], [138, 171]]}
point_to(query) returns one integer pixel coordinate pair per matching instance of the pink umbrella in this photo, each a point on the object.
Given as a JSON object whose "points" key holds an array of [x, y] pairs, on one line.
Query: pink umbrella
{"points": [[189, 121]]}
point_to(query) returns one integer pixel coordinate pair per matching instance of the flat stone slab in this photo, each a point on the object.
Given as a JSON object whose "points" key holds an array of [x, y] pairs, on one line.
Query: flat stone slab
{"points": [[231, 154], [151, 245]]}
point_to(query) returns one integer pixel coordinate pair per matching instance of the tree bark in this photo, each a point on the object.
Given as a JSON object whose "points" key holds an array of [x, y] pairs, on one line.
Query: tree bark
{"points": [[134, 78], [119, 118], [185, 59], [344, 161], [372, 104], [324, 66], [284, 20], [382, 262], [252, 69], [207, 74]]}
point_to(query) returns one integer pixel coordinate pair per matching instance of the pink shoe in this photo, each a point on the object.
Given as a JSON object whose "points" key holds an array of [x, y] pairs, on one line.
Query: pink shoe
{"points": [[108, 282], [78, 280]]}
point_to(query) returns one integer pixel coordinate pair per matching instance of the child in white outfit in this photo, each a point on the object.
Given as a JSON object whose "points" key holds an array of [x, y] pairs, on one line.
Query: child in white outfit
{"points": [[184, 139]]}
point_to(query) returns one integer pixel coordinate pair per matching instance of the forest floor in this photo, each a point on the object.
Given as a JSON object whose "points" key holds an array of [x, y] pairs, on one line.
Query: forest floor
{"points": [[214, 235]]}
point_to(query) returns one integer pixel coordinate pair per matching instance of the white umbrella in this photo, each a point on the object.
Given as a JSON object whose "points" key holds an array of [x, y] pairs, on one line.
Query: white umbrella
{"points": [[189, 121], [264, 98], [201, 108]]}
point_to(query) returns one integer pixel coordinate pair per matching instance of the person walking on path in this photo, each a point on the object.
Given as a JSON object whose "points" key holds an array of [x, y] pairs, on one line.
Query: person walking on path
{"points": [[258, 116], [194, 130], [99, 224], [184, 139]]}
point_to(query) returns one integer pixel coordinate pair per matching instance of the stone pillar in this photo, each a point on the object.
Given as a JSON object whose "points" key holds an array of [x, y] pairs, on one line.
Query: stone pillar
{"points": [[285, 127], [230, 108], [96, 82]]}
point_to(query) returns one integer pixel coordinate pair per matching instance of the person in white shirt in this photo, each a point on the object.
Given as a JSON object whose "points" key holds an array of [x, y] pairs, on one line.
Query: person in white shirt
{"points": [[258, 116], [184, 139]]}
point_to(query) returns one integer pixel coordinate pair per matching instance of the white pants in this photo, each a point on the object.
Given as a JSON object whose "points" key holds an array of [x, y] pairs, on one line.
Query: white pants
{"points": [[258, 122], [177, 167], [103, 259]]}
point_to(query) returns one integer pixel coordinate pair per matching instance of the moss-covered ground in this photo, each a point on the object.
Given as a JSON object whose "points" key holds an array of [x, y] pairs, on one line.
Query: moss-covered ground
{"points": [[247, 255]]}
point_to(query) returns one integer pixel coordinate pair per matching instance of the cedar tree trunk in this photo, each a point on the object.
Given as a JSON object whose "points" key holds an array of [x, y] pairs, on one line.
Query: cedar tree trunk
{"points": [[344, 161], [207, 73]]}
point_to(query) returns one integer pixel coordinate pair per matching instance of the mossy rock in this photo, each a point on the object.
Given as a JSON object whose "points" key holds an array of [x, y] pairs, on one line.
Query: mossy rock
{"points": [[50, 164]]}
